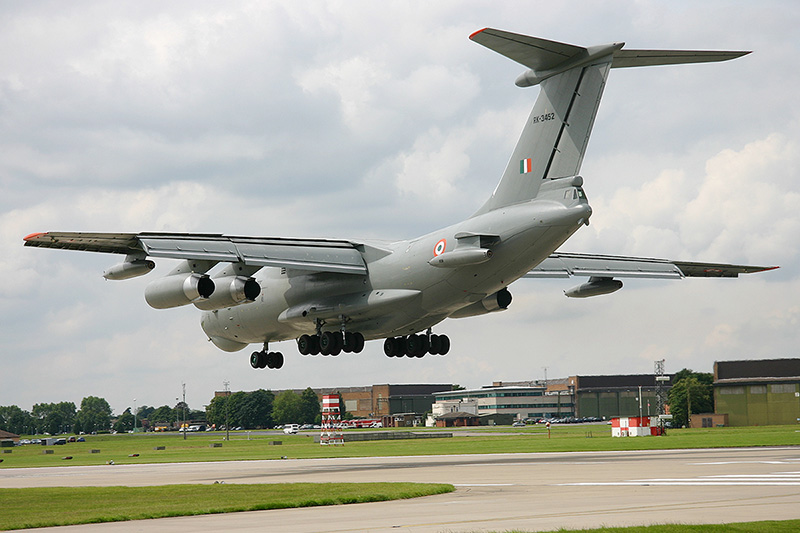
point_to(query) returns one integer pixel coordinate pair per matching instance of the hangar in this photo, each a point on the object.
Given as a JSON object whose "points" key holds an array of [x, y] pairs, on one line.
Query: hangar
{"points": [[758, 392]]}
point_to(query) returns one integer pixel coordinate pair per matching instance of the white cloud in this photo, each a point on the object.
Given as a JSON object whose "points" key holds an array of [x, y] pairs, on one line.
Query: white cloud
{"points": [[369, 119]]}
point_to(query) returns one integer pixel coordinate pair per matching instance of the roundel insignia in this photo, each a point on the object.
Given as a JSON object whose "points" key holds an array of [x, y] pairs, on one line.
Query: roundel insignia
{"points": [[439, 248]]}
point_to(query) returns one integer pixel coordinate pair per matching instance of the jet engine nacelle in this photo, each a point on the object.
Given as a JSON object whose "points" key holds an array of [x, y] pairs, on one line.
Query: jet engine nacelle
{"points": [[498, 301], [177, 290], [230, 291], [129, 269], [594, 287], [457, 258]]}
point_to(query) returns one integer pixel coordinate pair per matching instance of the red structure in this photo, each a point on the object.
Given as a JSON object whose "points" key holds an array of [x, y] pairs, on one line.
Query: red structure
{"points": [[331, 421]]}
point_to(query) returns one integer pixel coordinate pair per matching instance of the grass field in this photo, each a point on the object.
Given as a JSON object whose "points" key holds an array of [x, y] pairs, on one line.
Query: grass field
{"points": [[141, 448], [42, 507]]}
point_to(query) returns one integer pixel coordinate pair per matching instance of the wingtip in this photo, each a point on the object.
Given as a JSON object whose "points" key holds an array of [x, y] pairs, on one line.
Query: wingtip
{"points": [[33, 236], [471, 37]]}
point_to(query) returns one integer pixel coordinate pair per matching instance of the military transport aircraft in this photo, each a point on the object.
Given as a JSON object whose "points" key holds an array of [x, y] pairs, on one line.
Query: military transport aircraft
{"points": [[332, 295]]}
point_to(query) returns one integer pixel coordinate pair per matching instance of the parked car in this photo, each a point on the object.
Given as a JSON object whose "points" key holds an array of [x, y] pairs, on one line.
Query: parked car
{"points": [[291, 429], [518, 424]]}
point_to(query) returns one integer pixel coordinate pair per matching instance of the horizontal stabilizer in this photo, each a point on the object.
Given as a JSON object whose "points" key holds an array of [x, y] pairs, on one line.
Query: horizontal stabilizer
{"points": [[647, 58]]}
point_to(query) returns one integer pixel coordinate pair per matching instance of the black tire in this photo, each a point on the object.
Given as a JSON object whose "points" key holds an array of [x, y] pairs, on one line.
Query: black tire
{"points": [[314, 348], [327, 342], [390, 347], [358, 343], [278, 360], [263, 359], [435, 345], [254, 359], [415, 346], [269, 359], [349, 342], [445, 344], [304, 344]]}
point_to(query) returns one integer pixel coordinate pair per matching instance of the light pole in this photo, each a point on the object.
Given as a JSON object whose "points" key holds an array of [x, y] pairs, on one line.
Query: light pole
{"points": [[227, 403], [134, 415]]}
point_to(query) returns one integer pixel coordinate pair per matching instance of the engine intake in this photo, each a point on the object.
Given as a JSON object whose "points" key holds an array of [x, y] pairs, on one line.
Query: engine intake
{"points": [[230, 291], [498, 301], [178, 290]]}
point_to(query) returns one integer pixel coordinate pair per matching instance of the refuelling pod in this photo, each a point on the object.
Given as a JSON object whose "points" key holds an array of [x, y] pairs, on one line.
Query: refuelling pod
{"points": [[178, 290], [230, 291], [594, 287], [498, 301], [131, 268]]}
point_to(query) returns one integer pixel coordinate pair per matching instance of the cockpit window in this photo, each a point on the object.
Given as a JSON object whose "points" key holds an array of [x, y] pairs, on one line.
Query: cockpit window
{"points": [[579, 193]]}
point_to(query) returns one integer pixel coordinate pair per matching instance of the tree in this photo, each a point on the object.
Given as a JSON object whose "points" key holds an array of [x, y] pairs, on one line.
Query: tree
{"points": [[287, 408], [54, 418], [257, 409], [309, 406], [125, 422], [164, 415], [691, 393], [16, 420], [94, 415], [215, 411]]}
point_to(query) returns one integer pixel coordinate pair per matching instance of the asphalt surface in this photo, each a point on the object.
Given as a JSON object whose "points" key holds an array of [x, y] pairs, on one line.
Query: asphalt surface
{"points": [[529, 492]]}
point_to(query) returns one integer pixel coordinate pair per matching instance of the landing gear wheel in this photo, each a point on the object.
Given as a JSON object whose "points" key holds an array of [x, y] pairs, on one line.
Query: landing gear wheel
{"points": [[392, 348], [326, 342], [304, 344], [435, 345], [444, 347], [255, 359], [358, 342], [416, 345], [349, 342], [274, 360]]}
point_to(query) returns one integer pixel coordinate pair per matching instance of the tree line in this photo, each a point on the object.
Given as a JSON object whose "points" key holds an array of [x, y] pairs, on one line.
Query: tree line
{"points": [[252, 410], [54, 418]]}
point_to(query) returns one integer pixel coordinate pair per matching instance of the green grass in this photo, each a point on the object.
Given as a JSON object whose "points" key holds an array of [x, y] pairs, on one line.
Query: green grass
{"points": [[42, 507], [197, 447]]}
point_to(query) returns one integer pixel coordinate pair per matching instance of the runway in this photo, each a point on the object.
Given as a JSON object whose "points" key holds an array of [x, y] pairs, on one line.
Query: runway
{"points": [[529, 492]]}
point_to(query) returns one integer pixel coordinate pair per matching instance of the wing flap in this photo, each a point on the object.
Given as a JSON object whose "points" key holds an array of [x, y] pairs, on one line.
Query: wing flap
{"points": [[564, 265]]}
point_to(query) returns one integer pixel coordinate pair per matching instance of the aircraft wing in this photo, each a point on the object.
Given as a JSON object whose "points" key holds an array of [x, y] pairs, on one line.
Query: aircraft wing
{"points": [[320, 255], [566, 265]]}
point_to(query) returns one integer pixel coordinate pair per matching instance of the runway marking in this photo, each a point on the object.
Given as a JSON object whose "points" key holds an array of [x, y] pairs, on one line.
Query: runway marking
{"points": [[747, 480], [483, 484]]}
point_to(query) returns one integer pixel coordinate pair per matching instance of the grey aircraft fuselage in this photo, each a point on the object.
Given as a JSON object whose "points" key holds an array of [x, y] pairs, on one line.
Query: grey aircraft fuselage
{"points": [[420, 295]]}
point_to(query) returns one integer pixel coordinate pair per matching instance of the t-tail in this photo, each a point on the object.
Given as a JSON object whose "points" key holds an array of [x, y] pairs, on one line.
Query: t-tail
{"points": [[572, 80]]}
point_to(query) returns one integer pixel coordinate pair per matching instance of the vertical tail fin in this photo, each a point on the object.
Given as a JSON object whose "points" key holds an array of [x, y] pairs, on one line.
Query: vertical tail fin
{"points": [[572, 79]]}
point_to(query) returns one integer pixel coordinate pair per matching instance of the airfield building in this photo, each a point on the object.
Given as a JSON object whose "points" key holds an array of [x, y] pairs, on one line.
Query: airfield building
{"points": [[758, 392]]}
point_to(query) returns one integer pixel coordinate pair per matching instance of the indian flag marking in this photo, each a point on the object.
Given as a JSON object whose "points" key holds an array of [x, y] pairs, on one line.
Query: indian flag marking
{"points": [[525, 166]]}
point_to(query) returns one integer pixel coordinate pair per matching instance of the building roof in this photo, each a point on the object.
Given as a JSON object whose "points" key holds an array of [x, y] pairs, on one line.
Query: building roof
{"points": [[5, 435], [756, 369], [620, 381], [457, 414]]}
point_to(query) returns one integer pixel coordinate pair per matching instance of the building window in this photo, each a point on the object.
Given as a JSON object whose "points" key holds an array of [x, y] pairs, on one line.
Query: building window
{"points": [[758, 389], [782, 388], [731, 390]]}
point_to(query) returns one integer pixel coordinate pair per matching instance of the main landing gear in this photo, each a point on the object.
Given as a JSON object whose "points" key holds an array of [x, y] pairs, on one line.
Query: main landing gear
{"points": [[331, 343], [417, 345], [265, 359]]}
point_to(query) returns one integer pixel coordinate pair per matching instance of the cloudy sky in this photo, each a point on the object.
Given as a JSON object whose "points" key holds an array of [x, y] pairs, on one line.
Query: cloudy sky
{"points": [[383, 120]]}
